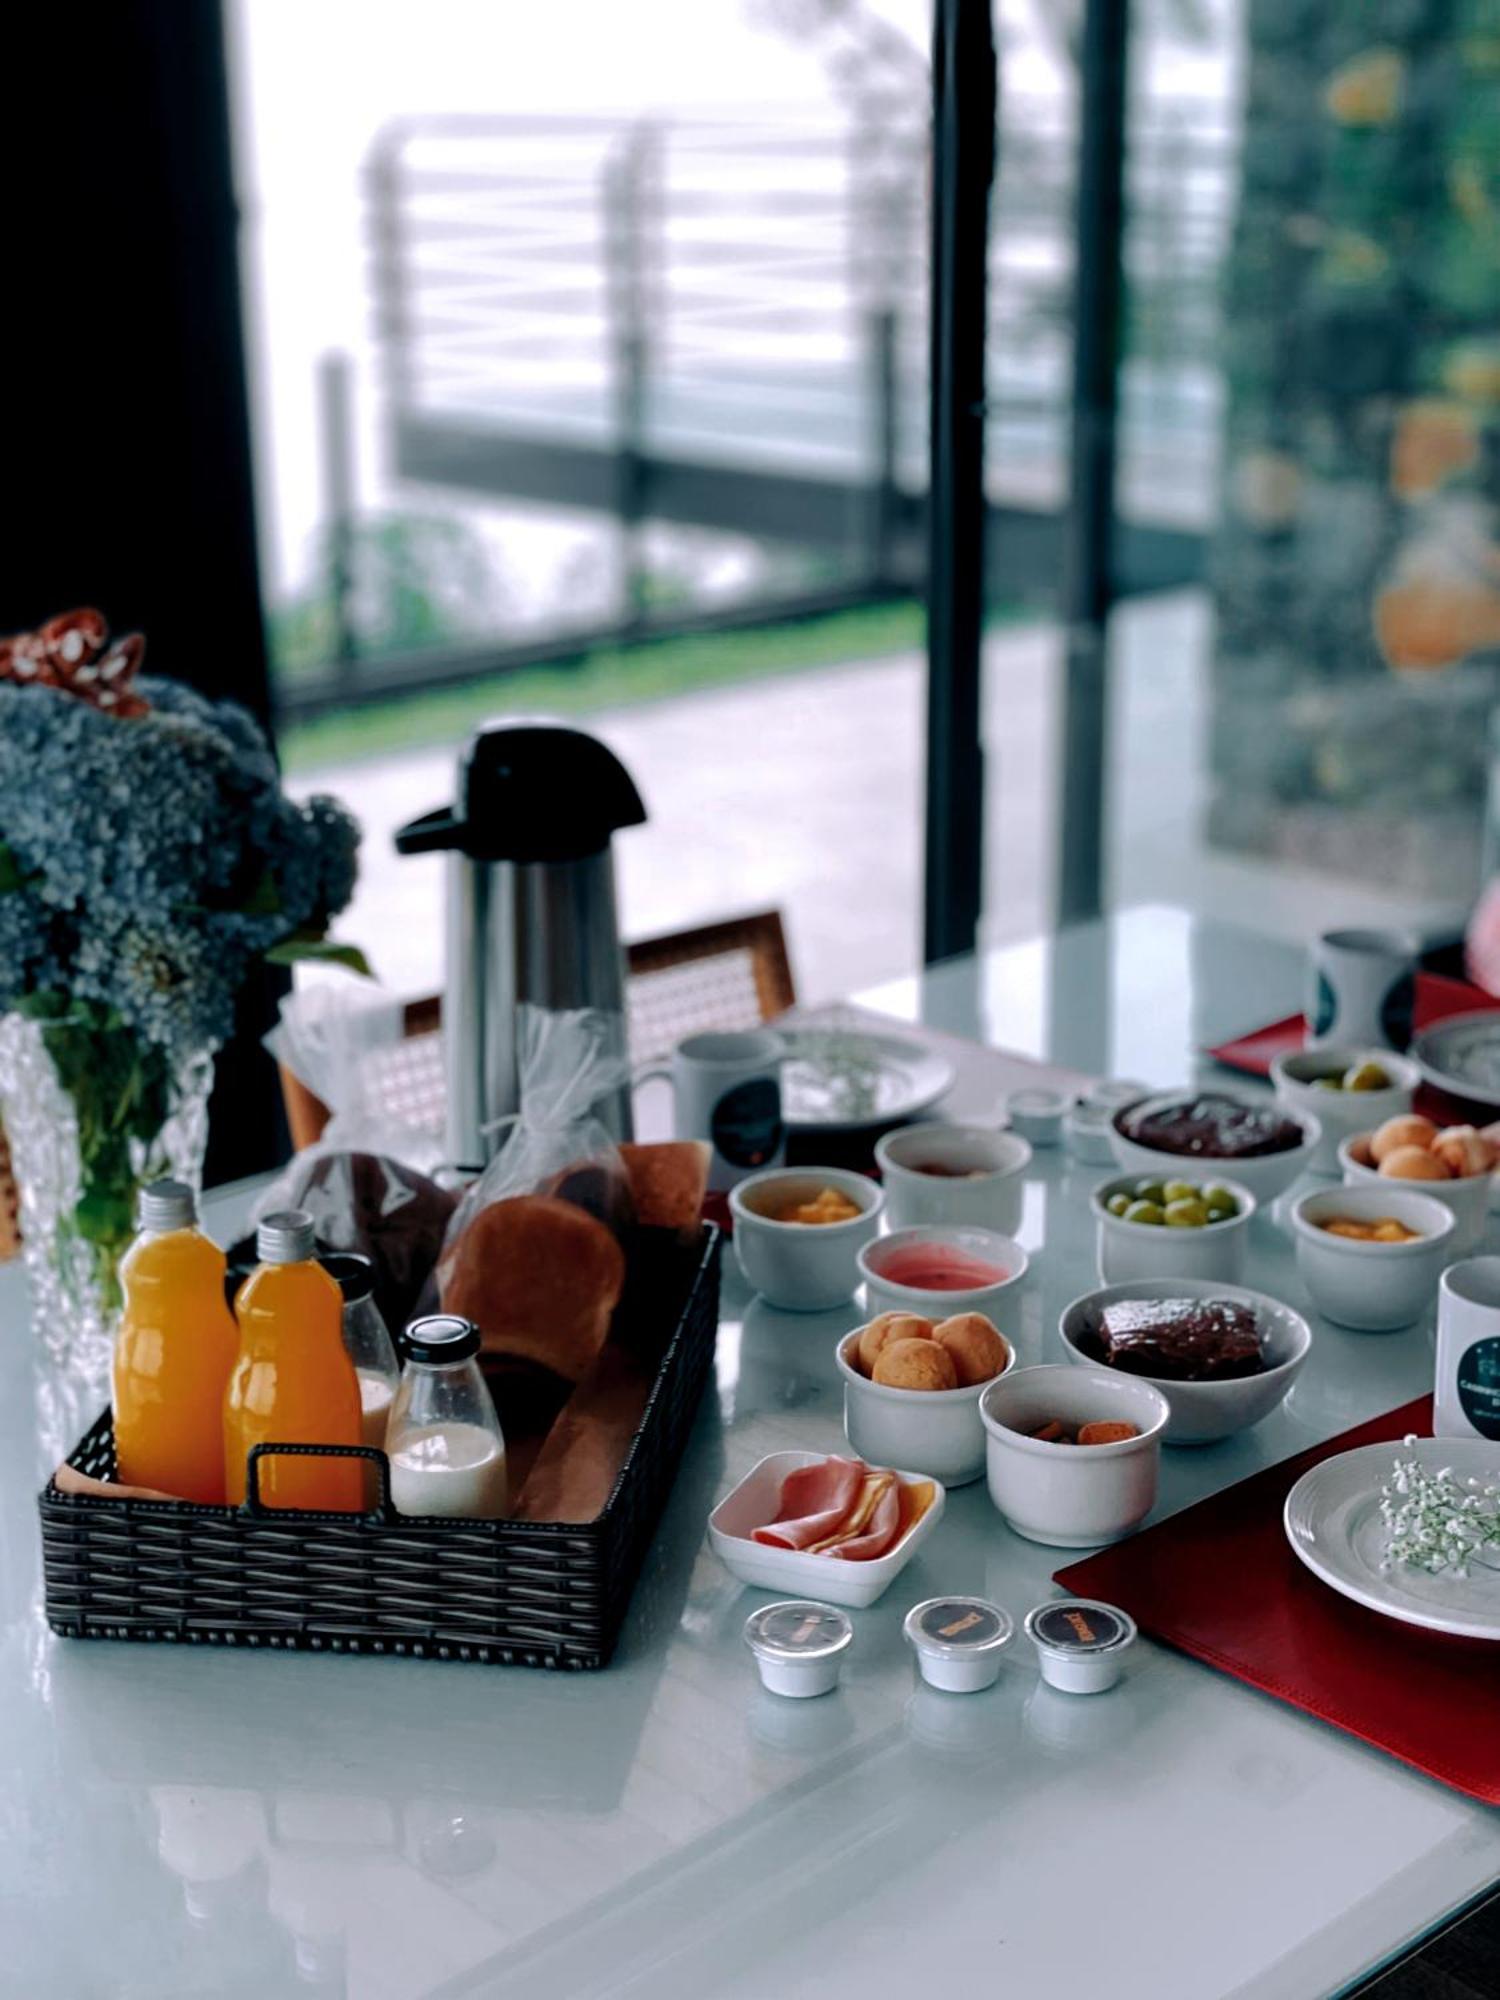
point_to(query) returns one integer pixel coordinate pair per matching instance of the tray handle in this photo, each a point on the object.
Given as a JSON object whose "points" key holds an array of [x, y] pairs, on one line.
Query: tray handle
{"points": [[383, 1510]]}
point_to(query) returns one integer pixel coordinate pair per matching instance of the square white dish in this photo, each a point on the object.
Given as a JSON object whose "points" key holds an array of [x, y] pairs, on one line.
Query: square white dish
{"points": [[753, 1503]]}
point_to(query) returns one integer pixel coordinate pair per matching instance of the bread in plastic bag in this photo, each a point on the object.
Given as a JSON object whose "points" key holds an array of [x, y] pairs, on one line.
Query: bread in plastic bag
{"points": [[535, 1250]]}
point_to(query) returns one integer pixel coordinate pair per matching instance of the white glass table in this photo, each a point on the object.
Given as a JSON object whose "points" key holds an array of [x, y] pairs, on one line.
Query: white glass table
{"points": [[186, 1822]]}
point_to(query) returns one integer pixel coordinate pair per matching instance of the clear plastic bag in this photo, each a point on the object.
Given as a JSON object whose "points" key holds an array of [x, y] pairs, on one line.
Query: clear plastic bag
{"points": [[567, 1063]]}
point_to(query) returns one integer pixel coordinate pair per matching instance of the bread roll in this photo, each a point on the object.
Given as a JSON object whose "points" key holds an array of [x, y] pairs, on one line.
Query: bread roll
{"points": [[915, 1364], [540, 1279], [1413, 1163], [1409, 1129], [974, 1345], [885, 1328]]}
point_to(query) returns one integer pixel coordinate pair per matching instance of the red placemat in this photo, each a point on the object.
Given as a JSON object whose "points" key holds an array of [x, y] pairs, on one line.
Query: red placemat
{"points": [[1437, 998], [1220, 1582]]}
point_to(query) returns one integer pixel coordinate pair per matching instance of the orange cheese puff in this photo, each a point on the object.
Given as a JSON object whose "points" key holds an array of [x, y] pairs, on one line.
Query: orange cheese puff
{"points": [[1409, 1129], [976, 1349], [915, 1364], [1414, 1163], [1463, 1151], [1102, 1432], [886, 1327]]}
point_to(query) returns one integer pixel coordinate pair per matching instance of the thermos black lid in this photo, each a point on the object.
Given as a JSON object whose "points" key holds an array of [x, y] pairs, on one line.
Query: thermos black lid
{"points": [[531, 791]]}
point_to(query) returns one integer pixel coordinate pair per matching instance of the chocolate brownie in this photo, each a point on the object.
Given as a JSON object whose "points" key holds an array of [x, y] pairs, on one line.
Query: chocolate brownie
{"points": [[1180, 1340], [1211, 1127]]}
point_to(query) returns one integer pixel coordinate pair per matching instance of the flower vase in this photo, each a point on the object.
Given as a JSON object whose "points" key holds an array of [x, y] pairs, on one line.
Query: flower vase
{"points": [[91, 1114]]}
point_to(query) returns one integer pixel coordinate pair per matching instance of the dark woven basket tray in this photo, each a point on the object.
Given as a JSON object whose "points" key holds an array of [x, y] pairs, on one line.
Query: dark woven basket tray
{"points": [[511, 1593]]}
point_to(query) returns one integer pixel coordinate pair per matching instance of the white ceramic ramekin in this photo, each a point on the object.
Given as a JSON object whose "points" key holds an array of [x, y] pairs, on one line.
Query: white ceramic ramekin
{"points": [[1373, 1287], [1071, 1496], [802, 1266], [985, 1191]]}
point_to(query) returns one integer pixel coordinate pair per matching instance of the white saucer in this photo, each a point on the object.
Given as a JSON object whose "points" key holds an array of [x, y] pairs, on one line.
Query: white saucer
{"points": [[1332, 1520]]}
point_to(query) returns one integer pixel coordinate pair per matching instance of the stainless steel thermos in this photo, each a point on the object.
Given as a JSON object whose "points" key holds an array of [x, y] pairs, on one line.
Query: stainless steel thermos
{"points": [[531, 913]]}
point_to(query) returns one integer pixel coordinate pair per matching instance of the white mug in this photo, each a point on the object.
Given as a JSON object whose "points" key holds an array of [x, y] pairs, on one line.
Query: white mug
{"points": [[727, 1089], [1466, 1400], [1361, 989]]}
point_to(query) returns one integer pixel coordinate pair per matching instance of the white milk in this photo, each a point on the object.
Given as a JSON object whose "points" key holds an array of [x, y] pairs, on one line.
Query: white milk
{"points": [[456, 1469]]}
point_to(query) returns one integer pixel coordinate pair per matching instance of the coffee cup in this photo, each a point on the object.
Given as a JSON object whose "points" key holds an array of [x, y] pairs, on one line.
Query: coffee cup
{"points": [[1466, 1401], [727, 1089], [1361, 989]]}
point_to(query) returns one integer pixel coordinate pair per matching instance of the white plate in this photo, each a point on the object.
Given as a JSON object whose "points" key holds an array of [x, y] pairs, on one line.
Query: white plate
{"points": [[837, 1079], [1332, 1519], [1462, 1055], [754, 1502]]}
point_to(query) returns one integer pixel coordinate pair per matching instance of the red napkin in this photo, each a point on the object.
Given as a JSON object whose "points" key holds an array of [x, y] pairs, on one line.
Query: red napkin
{"points": [[1220, 1582], [1437, 998]]}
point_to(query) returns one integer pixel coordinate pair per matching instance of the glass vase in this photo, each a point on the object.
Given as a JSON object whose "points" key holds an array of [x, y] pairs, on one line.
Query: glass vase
{"points": [[91, 1115]]}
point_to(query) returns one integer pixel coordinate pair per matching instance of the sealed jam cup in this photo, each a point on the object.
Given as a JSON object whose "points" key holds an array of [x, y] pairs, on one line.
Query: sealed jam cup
{"points": [[958, 1641], [799, 1646], [1081, 1644]]}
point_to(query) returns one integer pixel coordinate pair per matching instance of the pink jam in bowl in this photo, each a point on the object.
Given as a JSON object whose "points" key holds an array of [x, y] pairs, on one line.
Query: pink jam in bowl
{"points": [[937, 1267]]}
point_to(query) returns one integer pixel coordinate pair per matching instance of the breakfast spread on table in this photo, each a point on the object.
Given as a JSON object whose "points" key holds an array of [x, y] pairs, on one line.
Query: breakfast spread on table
{"points": [[521, 1385]]}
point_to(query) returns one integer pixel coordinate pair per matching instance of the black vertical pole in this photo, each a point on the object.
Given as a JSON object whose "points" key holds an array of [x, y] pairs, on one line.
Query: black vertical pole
{"points": [[1088, 531], [963, 157]]}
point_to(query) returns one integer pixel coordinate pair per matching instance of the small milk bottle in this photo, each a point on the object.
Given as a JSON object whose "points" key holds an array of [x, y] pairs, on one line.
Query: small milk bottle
{"points": [[444, 1440], [366, 1339]]}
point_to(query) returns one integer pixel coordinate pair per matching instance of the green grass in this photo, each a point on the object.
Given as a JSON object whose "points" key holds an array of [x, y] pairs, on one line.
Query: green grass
{"points": [[611, 677]]}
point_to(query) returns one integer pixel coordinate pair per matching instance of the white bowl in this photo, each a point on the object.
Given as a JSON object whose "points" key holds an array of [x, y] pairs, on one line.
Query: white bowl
{"points": [[1469, 1198], [1204, 1412], [1373, 1287], [987, 1192], [935, 1431], [802, 1266], [1151, 1250], [887, 1295], [1071, 1496], [793, 1571], [1266, 1176], [1342, 1112]]}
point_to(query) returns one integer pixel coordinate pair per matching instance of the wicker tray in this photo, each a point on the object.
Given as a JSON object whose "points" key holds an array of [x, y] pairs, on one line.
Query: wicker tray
{"points": [[511, 1593]]}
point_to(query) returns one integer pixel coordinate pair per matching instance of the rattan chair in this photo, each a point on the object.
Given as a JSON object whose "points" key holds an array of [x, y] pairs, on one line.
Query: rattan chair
{"points": [[728, 975], [10, 1205]]}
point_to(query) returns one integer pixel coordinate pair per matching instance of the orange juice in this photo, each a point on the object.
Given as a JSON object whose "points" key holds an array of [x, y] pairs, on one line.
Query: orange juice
{"points": [[293, 1381], [173, 1352]]}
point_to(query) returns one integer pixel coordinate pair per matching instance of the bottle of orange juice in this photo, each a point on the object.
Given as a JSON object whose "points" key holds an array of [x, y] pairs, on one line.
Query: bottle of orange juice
{"points": [[173, 1352], [293, 1381]]}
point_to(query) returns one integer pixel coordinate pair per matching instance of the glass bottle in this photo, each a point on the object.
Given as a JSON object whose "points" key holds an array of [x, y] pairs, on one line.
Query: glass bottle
{"points": [[444, 1441], [367, 1340], [175, 1347], [292, 1381]]}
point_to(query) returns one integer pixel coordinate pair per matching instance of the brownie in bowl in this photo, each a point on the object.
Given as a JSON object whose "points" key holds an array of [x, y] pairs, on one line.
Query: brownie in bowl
{"points": [[1210, 1126]]}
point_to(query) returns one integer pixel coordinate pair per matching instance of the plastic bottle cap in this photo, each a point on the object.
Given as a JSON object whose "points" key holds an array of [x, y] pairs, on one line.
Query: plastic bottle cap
{"points": [[287, 1237], [438, 1338], [352, 1272], [167, 1205]]}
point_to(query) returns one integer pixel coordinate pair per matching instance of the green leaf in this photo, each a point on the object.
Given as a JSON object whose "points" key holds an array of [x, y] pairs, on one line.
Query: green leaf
{"points": [[12, 875], [264, 900], [304, 947]]}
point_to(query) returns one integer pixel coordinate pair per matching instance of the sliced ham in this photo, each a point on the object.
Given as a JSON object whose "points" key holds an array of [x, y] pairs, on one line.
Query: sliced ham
{"points": [[815, 1502], [879, 1536], [859, 1516]]}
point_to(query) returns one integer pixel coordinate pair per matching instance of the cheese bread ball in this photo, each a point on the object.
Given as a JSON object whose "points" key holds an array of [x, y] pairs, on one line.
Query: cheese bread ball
{"points": [[974, 1345], [1409, 1129], [1463, 1151], [1414, 1163], [915, 1364], [885, 1328]]}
